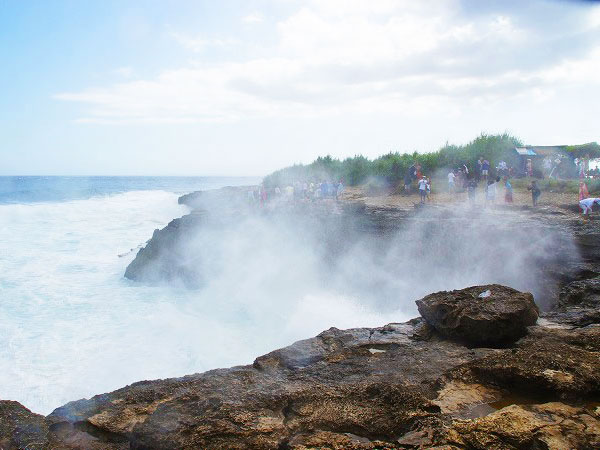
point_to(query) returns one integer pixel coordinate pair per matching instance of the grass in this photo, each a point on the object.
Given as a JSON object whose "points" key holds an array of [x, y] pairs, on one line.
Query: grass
{"points": [[560, 186]]}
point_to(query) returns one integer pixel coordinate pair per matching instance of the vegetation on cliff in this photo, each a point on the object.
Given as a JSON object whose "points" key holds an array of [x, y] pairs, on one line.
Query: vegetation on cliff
{"points": [[390, 168]]}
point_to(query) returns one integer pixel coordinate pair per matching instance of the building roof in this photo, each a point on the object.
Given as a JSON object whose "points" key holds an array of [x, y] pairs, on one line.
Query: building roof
{"points": [[541, 150]]}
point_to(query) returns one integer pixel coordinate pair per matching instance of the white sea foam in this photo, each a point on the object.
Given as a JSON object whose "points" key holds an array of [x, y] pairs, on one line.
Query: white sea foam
{"points": [[71, 326]]}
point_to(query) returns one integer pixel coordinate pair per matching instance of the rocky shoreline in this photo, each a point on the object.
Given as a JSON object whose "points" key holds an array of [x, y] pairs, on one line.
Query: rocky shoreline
{"points": [[437, 381]]}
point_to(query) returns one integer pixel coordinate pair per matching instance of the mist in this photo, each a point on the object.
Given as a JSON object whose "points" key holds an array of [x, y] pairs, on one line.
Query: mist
{"points": [[266, 263]]}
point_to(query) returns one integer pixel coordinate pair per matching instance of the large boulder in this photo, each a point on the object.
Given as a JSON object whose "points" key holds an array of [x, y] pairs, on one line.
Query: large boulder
{"points": [[490, 315]]}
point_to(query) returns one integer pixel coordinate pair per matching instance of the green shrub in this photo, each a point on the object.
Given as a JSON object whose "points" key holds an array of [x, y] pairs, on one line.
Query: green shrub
{"points": [[392, 167]]}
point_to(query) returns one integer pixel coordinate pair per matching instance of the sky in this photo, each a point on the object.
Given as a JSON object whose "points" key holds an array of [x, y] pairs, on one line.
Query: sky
{"points": [[159, 87]]}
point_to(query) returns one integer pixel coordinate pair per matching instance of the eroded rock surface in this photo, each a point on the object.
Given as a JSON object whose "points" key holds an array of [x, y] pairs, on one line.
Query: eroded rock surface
{"points": [[546, 426], [489, 315]]}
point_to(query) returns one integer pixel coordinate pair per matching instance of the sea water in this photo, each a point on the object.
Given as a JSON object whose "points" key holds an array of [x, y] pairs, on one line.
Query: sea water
{"points": [[71, 326]]}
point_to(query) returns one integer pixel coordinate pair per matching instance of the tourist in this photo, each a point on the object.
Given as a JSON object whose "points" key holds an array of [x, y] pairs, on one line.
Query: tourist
{"points": [[451, 178], [535, 192], [465, 170], [485, 168], [340, 190], [459, 178], [508, 191], [323, 189], [583, 191], [502, 168], [289, 192], [587, 204], [555, 167], [471, 188], [547, 165], [423, 189], [529, 168], [429, 189]]}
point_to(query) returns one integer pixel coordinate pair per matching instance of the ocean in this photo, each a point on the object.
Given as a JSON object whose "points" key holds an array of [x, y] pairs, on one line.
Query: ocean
{"points": [[71, 326]]}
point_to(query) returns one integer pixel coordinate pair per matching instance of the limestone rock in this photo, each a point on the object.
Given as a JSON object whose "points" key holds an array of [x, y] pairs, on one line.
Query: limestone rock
{"points": [[498, 319], [549, 425]]}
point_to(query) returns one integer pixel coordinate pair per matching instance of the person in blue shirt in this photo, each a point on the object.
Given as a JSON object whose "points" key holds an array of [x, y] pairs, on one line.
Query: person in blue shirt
{"points": [[508, 191], [485, 168]]}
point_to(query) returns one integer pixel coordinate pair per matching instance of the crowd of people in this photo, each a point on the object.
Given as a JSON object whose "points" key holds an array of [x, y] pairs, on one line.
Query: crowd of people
{"points": [[297, 191], [462, 179], [482, 178]]}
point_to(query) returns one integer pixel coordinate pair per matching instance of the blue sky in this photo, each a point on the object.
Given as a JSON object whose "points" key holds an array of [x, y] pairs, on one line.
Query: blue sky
{"points": [[245, 87]]}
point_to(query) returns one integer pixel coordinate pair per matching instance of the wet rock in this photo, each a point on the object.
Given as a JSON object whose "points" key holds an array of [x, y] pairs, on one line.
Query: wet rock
{"points": [[469, 315], [581, 293], [463, 400], [331, 387], [165, 257], [578, 304], [225, 197], [549, 363], [20, 428], [363, 388]]}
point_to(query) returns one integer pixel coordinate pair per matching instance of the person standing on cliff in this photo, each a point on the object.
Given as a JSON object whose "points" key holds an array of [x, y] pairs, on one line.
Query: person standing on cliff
{"points": [[508, 191], [428, 189], [340, 190], [583, 191], [485, 169], [410, 175], [490, 192], [451, 178], [423, 189], [471, 187], [535, 192], [529, 168]]}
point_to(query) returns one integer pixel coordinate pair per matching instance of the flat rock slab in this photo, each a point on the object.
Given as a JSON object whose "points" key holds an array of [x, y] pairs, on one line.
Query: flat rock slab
{"points": [[481, 316]]}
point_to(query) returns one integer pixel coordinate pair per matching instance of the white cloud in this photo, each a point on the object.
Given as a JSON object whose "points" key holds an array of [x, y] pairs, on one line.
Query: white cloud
{"points": [[199, 43], [346, 56], [255, 17], [125, 72]]}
